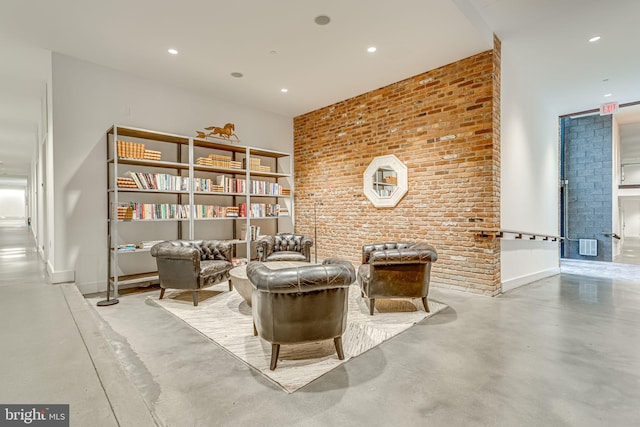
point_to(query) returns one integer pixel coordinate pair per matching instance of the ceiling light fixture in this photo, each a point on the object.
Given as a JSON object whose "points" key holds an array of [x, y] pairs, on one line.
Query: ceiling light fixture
{"points": [[322, 20], [594, 39], [236, 74], [284, 90], [172, 51], [371, 49], [606, 95]]}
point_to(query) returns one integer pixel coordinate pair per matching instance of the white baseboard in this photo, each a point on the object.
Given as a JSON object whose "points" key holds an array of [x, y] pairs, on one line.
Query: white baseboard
{"points": [[60, 276], [510, 284]]}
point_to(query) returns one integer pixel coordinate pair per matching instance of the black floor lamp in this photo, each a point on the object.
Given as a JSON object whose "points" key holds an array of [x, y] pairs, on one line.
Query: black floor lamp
{"points": [[108, 301], [315, 229]]}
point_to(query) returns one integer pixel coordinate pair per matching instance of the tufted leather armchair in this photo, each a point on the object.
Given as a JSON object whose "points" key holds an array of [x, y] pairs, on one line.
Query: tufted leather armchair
{"points": [[192, 264], [301, 304], [284, 247], [396, 270]]}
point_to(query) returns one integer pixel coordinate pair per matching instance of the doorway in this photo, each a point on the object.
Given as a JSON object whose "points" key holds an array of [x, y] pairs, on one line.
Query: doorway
{"points": [[12, 206], [600, 186]]}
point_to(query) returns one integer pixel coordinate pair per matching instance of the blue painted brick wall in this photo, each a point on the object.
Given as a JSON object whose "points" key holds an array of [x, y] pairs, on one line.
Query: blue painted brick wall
{"points": [[588, 163]]}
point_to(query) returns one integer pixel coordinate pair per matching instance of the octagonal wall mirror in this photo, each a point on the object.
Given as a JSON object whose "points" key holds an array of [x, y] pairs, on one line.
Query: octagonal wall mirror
{"points": [[385, 181]]}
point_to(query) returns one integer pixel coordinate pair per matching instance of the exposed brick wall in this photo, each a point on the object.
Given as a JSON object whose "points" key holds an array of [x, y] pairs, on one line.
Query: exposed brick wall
{"points": [[444, 126]]}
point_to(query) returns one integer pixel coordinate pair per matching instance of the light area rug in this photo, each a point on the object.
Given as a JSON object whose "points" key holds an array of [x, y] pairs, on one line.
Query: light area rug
{"points": [[224, 317]]}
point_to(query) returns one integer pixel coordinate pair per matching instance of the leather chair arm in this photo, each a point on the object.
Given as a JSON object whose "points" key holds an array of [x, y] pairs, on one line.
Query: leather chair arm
{"points": [[301, 279], [264, 247], [338, 261], [168, 251]]}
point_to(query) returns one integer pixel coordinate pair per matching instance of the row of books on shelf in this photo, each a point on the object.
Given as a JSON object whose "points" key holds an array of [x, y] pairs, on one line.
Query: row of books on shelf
{"points": [[222, 183], [260, 210], [154, 181], [239, 185], [142, 211], [146, 211]]}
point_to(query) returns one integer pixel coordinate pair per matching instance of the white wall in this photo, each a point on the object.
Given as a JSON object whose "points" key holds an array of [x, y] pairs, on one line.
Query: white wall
{"points": [[87, 100], [616, 215], [631, 217], [529, 176], [12, 203]]}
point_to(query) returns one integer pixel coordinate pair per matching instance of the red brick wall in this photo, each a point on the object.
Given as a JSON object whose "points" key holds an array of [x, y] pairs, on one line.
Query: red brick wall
{"points": [[444, 126]]}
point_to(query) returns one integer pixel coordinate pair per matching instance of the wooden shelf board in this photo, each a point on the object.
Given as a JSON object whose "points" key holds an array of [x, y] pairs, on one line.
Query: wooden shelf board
{"points": [[150, 163], [219, 145], [137, 278], [142, 190], [147, 134]]}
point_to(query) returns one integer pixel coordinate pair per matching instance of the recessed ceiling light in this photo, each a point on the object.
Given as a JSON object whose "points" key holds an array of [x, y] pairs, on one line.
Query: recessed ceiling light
{"points": [[322, 20], [371, 49], [172, 51], [594, 39], [284, 90], [236, 74], [606, 95]]}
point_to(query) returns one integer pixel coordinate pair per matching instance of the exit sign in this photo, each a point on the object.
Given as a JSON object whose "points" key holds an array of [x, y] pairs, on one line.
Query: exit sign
{"points": [[609, 108]]}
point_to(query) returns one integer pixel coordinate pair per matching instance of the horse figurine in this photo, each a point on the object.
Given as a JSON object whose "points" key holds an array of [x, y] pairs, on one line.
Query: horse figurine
{"points": [[225, 132]]}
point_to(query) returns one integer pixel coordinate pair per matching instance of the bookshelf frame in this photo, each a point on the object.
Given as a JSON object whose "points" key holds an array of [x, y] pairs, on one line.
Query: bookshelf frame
{"points": [[187, 168]]}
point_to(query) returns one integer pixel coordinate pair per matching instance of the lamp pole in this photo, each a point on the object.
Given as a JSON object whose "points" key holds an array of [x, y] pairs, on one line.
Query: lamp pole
{"points": [[315, 233], [315, 229]]}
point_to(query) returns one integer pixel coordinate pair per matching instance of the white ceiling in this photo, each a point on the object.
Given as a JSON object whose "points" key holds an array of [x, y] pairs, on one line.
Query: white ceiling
{"points": [[276, 44]]}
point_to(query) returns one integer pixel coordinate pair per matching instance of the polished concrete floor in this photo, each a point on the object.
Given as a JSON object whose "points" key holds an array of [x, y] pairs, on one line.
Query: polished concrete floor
{"points": [[563, 351], [629, 251]]}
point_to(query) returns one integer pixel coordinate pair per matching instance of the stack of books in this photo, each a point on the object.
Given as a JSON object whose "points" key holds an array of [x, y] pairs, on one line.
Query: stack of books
{"points": [[130, 150], [126, 182], [285, 191], [232, 212], [128, 247], [219, 160], [152, 155], [124, 212], [147, 244], [204, 161], [254, 165]]}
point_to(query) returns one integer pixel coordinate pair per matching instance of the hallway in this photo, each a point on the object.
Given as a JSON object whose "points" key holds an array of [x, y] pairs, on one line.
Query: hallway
{"points": [[629, 252], [563, 351], [51, 348]]}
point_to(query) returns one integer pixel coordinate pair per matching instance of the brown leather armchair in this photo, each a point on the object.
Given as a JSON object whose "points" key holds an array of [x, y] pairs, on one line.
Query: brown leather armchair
{"points": [[301, 304], [396, 270], [284, 247], [192, 264]]}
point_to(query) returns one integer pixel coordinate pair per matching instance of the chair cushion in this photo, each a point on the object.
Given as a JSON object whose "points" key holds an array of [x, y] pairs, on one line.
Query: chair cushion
{"points": [[286, 256]]}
